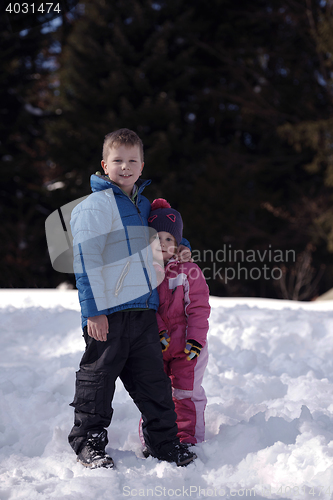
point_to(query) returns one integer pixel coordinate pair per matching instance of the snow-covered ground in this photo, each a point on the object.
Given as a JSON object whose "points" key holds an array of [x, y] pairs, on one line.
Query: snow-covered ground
{"points": [[269, 419]]}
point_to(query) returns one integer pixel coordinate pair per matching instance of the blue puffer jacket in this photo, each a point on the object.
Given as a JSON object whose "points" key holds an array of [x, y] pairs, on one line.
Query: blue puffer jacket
{"points": [[112, 256]]}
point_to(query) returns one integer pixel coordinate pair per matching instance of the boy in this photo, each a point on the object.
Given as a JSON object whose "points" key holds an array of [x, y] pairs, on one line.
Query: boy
{"points": [[118, 298]]}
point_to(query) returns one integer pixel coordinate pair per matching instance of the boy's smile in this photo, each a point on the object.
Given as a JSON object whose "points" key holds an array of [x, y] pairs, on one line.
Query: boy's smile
{"points": [[123, 165], [156, 248]]}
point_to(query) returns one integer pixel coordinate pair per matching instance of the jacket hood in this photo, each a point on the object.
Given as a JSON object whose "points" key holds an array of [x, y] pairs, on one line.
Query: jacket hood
{"points": [[101, 182]]}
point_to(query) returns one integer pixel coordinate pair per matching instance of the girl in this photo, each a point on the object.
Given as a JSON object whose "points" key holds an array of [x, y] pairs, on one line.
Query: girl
{"points": [[183, 322]]}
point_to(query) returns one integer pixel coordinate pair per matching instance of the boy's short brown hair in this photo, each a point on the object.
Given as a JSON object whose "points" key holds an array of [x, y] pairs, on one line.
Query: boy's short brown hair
{"points": [[121, 137]]}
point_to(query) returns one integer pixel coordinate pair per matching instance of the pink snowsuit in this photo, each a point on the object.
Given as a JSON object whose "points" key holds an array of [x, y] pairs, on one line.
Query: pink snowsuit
{"points": [[184, 311]]}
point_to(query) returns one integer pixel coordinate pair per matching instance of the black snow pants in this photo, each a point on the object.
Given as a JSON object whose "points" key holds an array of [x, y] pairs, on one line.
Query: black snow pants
{"points": [[133, 353]]}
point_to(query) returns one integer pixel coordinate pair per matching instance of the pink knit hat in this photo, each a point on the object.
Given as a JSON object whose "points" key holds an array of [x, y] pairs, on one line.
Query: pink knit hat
{"points": [[164, 218]]}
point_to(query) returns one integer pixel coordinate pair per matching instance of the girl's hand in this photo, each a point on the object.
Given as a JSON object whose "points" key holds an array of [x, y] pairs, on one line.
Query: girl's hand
{"points": [[164, 339], [193, 349]]}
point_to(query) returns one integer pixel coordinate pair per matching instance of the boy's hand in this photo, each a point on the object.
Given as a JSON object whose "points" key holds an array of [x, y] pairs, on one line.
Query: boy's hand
{"points": [[183, 254], [98, 327]]}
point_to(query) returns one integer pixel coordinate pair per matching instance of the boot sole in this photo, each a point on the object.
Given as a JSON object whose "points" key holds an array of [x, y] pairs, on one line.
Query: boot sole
{"points": [[96, 465], [187, 461]]}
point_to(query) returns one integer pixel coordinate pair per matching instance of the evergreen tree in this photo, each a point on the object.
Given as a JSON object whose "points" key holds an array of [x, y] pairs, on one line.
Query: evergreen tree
{"points": [[265, 74], [28, 56], [313, 131], [216, 94]]}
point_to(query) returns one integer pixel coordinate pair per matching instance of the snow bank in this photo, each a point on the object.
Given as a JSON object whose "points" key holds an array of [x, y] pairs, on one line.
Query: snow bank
{"points": [[269, 419]]}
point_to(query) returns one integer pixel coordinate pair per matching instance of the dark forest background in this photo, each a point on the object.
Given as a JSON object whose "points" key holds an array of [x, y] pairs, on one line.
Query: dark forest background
{"points": [[233, 102]]}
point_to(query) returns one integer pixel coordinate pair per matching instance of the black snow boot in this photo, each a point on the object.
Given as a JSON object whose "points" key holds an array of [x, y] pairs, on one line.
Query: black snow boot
{"points": [[92, 453], [173, 452]]}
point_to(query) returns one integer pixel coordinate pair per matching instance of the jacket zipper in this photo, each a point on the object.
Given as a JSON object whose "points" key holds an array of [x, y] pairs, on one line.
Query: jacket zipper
{"points": [[147, 244], [123, 275]]}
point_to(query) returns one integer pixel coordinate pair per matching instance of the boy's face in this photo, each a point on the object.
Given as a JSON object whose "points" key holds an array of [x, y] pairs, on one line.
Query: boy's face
{"points": [[124, 166], [156, 249]]}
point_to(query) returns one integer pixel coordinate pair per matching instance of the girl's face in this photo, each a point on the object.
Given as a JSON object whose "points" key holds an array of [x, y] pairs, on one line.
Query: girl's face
{"points": [[168, 245]]}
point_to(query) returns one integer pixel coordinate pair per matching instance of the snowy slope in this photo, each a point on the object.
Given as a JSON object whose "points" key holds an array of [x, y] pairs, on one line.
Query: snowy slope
{"points": [[269, 419]]}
